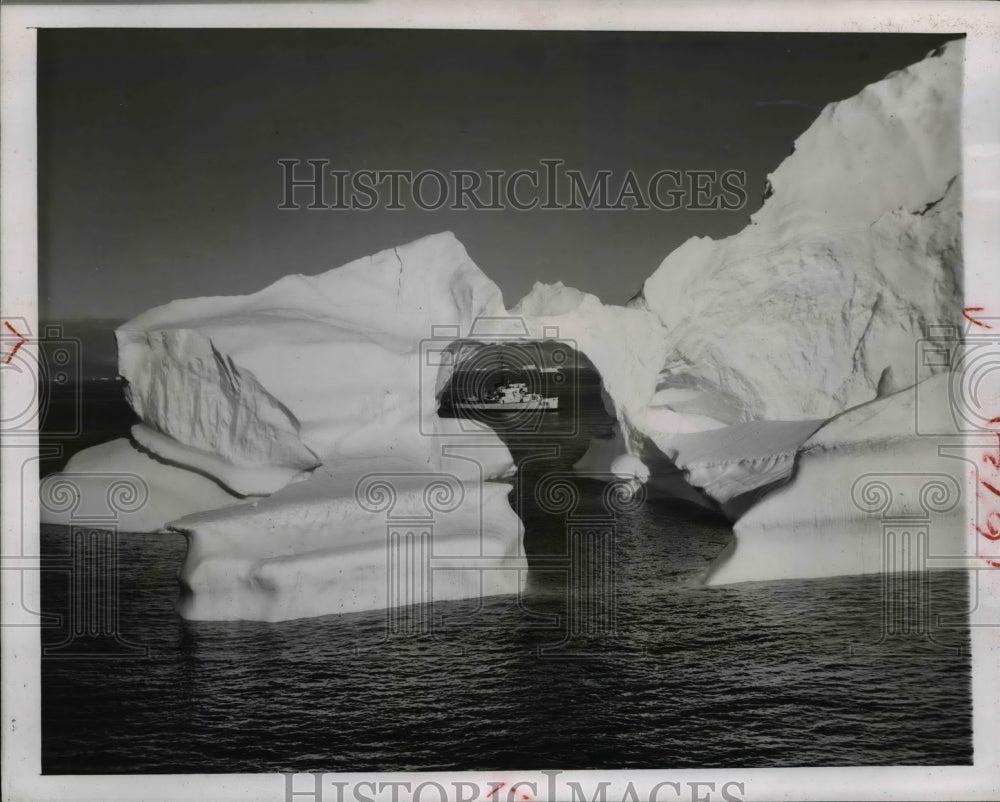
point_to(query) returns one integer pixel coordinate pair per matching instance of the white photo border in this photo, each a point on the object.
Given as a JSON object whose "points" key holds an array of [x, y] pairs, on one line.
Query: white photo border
{"points": [[21, 747]]}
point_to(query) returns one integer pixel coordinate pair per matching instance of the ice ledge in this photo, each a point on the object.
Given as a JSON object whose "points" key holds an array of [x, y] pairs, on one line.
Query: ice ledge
{"points": [[349, 543]]}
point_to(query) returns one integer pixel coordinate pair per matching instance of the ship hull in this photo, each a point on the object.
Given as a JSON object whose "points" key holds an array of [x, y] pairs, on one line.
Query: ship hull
{"points": [[544, 404]]}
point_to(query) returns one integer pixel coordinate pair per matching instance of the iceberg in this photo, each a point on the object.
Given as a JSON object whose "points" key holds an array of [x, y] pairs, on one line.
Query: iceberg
{"points": [[738, 350], [763, 375], [819, 304], [816, 305], [262, 389], [260, 413]]}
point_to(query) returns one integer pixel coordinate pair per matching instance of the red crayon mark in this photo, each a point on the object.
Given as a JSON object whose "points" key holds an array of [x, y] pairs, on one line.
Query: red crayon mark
{"points": [[20, 342], [991, 526], [993, 534], [501, 785], [971, 319], [992, 459]]}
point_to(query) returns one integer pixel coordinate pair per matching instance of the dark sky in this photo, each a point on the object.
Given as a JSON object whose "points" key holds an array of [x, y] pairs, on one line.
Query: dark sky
{"points": [[158, 149]]}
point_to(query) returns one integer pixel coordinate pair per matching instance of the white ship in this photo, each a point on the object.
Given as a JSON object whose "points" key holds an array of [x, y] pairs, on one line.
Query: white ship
{"points": [[511, 397]]}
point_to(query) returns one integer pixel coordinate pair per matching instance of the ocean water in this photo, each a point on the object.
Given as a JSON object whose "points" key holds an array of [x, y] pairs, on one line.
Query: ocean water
{"points": [[615, 657]]}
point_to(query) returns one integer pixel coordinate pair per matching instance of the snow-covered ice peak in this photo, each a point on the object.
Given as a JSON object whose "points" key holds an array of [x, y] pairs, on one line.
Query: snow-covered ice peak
{"points": [[818, 304]]}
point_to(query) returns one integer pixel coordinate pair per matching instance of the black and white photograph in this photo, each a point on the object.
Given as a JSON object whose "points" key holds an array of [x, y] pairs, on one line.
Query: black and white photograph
{"points": [[412, 410]]}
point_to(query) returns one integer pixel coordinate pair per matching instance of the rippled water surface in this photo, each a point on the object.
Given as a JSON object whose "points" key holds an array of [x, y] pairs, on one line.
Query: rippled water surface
{"points": [[758, 675], [615, 657]]}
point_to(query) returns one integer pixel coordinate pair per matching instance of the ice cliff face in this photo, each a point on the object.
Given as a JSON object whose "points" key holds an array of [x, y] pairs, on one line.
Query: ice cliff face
{"points": [[257, 390], [817, 304]]}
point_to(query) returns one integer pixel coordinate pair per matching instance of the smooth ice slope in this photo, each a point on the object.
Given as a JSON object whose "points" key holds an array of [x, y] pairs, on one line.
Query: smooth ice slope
{"points": [[815, 306], [861, 482], [117, 484], [729, 462]]}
